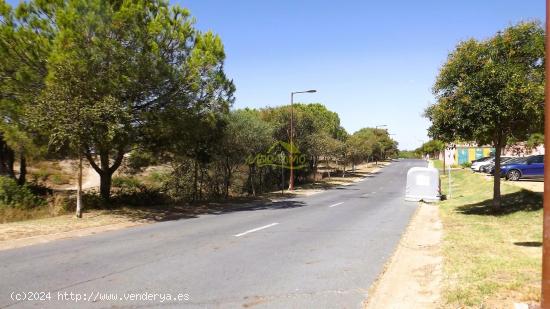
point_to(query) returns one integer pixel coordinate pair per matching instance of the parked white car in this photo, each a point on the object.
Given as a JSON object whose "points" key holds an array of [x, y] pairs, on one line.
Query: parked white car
{"points": [[478, 164]]}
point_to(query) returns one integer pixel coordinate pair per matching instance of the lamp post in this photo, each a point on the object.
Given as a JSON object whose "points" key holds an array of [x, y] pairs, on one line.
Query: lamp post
{"points": [[291, 182], [545, 283]]}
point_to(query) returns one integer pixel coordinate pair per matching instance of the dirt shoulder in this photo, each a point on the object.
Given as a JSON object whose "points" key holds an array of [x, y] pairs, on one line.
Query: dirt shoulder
{"points": [[412, 277], [30, 232]]}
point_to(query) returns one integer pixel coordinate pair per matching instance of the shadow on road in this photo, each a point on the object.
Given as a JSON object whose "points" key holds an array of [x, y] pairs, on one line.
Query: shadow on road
{"points": [[168, 213], [189, 211]]}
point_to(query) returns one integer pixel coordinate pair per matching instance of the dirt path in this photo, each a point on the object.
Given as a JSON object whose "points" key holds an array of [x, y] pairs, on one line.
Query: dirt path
{"points": [[30, 232], [412, 278], [90, 178]]}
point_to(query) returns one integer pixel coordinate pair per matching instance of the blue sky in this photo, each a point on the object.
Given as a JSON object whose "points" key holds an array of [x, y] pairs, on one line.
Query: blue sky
{"points": [[373, 62]]}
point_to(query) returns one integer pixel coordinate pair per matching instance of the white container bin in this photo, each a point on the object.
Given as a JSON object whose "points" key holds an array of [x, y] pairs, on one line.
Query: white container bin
{"points": [[422, 185]]}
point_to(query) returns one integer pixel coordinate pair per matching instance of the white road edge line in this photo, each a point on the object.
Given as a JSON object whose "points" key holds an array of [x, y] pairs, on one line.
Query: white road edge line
{"points": [[334, 205], [256, 229]]}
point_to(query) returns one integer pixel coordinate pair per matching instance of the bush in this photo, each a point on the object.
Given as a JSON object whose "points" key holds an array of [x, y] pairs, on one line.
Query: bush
{"points": [[157, 179], [137, 160], [59, 179], [14, 195], [127, 184], [466, 164]]}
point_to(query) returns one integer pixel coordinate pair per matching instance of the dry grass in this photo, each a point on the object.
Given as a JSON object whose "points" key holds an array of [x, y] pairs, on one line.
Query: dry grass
{"points": [[491, 259], [51, 173]]}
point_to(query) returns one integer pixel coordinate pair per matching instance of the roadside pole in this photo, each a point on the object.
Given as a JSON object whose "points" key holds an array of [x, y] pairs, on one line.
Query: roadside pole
{"points": [[444, 155], [450, 189], [545, 289]]}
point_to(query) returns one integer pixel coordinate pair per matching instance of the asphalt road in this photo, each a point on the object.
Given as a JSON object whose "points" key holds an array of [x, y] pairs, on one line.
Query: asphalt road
{"points": [[322, 251]]}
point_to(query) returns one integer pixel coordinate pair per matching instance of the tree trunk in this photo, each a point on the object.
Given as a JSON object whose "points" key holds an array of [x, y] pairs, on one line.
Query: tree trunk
{"points": [[227, 178], [343, 169], [195, 180], [79, 189], [261, 178], [3, 155], [105, 170], [6, 159], [201, 182], [105, 176], [10, 160], [105, 186], [251, 177], [22, 170], [496, 182]]}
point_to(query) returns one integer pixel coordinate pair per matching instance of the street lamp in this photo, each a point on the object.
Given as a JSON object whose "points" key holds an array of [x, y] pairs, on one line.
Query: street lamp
{"points": [[291, 182], [545, 282]]}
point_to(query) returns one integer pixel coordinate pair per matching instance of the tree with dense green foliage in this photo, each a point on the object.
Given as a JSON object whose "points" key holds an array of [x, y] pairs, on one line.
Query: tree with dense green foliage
{"points": [[491, 90], [409, 154], [534, 140], [314, 126], [121, 70], [246, 133], [431, 147], [26, 35], [370, 144]]}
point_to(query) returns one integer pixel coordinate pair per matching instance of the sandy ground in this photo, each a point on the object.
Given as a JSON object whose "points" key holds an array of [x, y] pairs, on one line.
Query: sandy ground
{"points": [[90, 178], [412, 277], [30, 232]]}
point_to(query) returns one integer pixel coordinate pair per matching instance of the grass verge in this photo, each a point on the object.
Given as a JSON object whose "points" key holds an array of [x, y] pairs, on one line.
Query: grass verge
{"points": [[491, 259]]}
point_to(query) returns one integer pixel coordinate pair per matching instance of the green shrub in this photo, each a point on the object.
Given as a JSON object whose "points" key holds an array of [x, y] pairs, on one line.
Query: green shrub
{"points": [[14, 195], [127, 184], [59, 179], [157, 179], [137, 160], [466, 164]]}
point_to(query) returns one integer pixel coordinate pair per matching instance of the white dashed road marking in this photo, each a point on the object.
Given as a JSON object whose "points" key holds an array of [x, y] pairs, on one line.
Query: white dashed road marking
{"points": [[256, 229]]}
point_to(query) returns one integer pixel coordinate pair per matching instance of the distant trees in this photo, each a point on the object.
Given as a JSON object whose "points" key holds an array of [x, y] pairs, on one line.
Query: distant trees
{"points": [[246, 134], [370, 144], [409, 154], [492, 90], [431, 147]]}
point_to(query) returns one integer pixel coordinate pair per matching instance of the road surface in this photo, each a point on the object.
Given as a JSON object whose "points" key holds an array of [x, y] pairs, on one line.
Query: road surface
{"points": [[321, 251]]}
